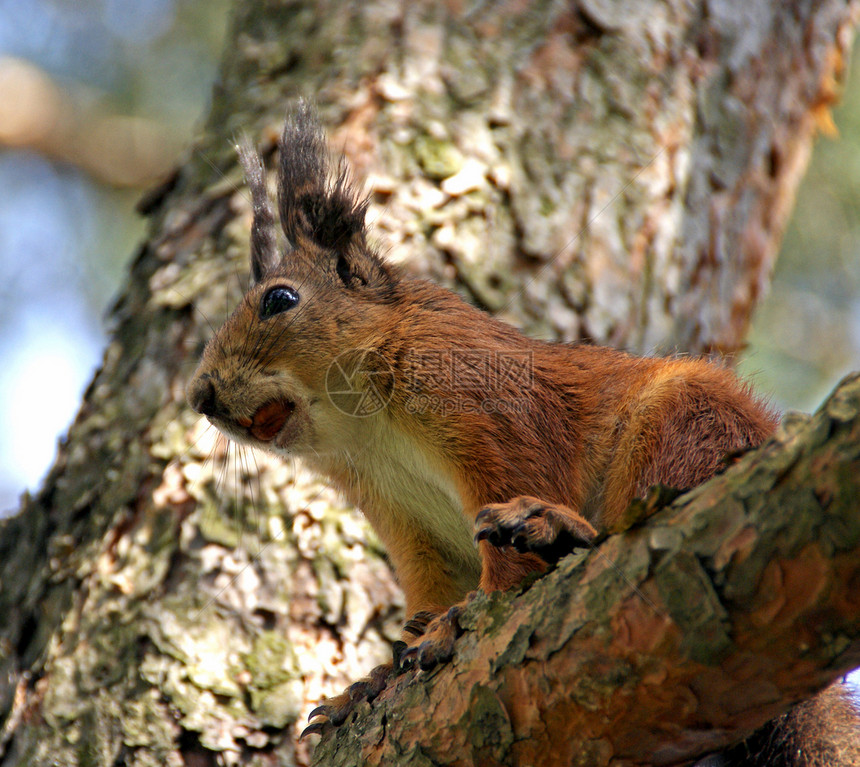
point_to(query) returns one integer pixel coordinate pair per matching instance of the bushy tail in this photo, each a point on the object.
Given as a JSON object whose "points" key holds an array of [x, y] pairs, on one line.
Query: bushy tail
{"points": [[821, 732]]}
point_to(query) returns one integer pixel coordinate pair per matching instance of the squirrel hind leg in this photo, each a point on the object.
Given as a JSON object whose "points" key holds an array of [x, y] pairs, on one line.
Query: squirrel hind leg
{"points": [[333, 712], [435, 644]]}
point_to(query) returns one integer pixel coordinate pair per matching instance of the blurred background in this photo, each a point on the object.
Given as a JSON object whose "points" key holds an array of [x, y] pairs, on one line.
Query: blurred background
{"points": [[98, 98]]}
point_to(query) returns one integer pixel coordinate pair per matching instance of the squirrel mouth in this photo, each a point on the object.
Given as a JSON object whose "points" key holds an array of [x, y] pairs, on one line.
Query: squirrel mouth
{"points": [[269, 419]]}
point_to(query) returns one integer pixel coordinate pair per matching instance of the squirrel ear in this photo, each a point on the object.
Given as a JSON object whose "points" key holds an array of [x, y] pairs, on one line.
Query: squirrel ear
{"points": [[264, 247], [315, 207]]}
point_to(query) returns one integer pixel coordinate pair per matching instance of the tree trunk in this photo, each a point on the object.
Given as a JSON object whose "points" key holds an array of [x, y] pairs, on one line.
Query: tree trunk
{"points": [[596, 170]]}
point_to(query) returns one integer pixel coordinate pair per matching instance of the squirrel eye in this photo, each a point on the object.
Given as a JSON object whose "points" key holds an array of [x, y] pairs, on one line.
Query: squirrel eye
{"points": [[277, 300]]}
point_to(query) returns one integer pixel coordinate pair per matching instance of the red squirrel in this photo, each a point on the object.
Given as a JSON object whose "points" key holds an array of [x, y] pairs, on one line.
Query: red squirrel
{"points": [[441, 423]]}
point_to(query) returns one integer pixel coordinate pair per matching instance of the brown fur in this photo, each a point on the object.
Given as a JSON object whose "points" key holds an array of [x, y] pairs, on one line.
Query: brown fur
{"points": [[552, 440], [821, 732]]}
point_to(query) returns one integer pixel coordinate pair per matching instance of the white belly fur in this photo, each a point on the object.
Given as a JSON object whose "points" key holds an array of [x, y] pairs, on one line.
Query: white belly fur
{"points": [[403, 491]]}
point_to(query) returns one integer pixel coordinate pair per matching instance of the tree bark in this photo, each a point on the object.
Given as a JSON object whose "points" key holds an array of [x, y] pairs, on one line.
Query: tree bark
{"points": [[594, 170]]}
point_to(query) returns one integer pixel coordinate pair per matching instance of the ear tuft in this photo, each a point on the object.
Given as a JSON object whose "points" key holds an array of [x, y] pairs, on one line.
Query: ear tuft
{"points": [[316, 209], [264, 247]]}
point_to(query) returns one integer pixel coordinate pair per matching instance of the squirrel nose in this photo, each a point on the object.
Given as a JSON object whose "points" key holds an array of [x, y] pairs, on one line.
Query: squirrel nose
{"points": [[202, 397]]}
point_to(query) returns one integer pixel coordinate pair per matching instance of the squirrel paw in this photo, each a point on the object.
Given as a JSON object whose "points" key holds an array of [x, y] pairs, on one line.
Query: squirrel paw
{"points": [[532, 526], [334, 711], [437, 642]]}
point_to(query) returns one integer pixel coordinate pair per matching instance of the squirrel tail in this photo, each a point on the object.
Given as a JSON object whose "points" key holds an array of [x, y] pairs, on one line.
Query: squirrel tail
{"points": [[821, 732]]}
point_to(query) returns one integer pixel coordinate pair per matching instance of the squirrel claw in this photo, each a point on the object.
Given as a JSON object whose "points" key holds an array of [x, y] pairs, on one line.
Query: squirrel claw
{"points": [[397, 649], [408, 658], [532, 526], [358, 691], [321, 710], [488, 533], [422, 656], [437, 647], [432, 654], [418, 623], [335, 711], [317, 728]]}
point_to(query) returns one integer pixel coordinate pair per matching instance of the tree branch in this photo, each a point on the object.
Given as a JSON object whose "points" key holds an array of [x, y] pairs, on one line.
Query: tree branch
{"points": [[674, 638]]}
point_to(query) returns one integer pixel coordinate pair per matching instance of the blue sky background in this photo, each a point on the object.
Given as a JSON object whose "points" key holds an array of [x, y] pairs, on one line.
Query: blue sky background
{"points": [[65, 235]]}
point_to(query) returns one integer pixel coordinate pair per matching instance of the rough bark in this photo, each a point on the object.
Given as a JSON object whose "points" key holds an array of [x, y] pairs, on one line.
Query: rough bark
{"points": [[667, 641], [612, 171]]}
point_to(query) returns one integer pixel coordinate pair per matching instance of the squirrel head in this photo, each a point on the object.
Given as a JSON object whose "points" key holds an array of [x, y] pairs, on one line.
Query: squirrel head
{"points": [[313, 317]]}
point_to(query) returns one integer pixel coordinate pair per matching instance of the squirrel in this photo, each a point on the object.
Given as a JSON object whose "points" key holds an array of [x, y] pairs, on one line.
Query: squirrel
{"points": [[441, 423]]}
